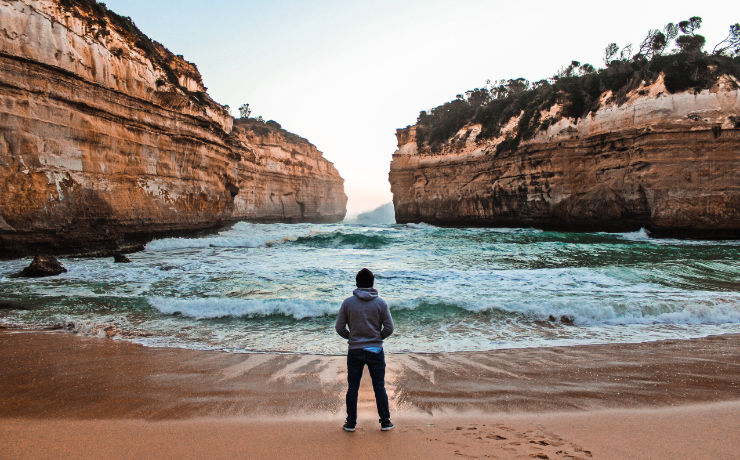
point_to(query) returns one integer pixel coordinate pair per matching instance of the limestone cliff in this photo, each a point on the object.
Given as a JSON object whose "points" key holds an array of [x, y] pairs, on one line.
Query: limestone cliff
{"points": [[107, 139], [666, 162]]}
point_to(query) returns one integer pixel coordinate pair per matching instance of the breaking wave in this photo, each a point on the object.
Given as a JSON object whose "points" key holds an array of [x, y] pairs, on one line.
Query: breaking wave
{"points": [[211, 308], [166, 244], [592, 313], [344, 240], [448, 288]]}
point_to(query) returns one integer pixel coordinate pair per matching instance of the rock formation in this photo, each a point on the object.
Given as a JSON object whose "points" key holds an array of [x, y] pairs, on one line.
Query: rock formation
{"points": [[667, 162], [383, 214], [107, 139], [43, 265], [121, 258]]}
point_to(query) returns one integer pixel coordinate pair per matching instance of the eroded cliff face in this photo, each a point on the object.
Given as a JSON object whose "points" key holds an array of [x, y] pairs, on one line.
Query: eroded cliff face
{"points": [[666, 162], [283, 177], [107, 139]]}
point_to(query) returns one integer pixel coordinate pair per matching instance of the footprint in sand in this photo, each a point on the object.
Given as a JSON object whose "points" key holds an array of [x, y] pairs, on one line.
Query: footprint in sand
{"points": [[542, 443]]}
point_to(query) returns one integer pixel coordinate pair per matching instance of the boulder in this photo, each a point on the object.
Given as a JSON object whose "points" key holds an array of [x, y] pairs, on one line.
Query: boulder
{"points": [[42, 266], [121, 258], [567, 319]]}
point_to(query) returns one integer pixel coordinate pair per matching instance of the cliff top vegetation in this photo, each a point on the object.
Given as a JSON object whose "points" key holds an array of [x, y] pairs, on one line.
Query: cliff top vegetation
{"points": [[578, 87], [263, 128]]}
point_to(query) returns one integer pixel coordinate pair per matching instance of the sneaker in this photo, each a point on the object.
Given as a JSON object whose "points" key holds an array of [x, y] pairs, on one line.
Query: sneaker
{"points": [[386, 425], [348, 426]]}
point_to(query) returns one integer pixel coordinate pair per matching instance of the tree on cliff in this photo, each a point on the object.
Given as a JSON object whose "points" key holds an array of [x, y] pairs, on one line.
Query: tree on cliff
{"points": [[580, 89], [731, 44], [689, 42], [244, 111], [610, 51], [654, 42]]}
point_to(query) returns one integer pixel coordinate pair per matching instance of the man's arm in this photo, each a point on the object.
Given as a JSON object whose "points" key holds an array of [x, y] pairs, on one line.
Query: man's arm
{"points": [[341, 325], [387, 322]]}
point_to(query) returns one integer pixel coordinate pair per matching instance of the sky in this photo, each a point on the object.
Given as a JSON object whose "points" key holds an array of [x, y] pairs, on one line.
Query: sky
{"points": [[346, 74]]}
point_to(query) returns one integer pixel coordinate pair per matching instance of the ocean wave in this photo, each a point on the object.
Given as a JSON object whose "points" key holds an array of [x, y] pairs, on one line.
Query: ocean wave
{"points": [[702, 308], [639, 235], [87, 327], [249, 235], [217, 241], [219, 307], [580, 314], [596, 313], [642, 236], [343, 240], [420, 226]]}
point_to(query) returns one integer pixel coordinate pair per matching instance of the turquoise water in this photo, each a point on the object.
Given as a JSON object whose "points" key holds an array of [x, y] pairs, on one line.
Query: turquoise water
{"points": [[276, 287]]}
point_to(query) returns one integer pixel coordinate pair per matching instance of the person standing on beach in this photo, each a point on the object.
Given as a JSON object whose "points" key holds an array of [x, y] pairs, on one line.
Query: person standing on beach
{"points": [[369, 321]]}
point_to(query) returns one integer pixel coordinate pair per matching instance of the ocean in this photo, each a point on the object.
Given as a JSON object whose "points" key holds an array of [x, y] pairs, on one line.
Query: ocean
{"points": [[277, 288]]}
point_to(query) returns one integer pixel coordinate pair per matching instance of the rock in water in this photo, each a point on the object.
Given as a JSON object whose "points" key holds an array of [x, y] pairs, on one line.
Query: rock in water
{"points": [[121, 258], [43, 266], [567, 319]]}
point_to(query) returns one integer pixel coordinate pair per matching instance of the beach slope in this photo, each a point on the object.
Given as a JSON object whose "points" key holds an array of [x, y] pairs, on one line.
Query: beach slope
{"points": [[65, 395]]}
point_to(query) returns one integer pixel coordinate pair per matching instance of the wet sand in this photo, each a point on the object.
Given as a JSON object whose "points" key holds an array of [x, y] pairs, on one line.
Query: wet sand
{"points": [[66, 395]]}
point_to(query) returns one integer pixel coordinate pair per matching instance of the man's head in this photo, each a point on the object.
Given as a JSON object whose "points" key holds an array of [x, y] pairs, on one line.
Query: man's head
{"points": [[365, 278]]}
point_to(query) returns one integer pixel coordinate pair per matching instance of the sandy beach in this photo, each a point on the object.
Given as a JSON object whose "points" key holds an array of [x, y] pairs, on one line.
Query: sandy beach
{"points": [[64, 395]]}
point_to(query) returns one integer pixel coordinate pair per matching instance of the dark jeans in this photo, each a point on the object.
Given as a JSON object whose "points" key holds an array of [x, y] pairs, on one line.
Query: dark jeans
{"points": [[356, 360]]}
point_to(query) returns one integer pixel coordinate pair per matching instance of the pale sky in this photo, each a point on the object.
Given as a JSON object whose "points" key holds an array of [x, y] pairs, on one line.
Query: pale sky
{"points": [[346, 74]]}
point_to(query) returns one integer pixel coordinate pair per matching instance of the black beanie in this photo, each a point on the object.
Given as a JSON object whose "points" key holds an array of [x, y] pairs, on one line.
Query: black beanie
{"points": [[365, 278]]}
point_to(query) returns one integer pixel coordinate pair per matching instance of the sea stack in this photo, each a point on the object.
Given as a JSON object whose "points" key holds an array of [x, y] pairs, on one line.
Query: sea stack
{"points": [[667, 161], [107, 139], [42, 265]]}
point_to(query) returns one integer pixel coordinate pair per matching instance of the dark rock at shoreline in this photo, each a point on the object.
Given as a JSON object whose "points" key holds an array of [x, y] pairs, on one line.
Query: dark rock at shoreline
{"points": [[565, 319], [121, 259], [42, 266]]}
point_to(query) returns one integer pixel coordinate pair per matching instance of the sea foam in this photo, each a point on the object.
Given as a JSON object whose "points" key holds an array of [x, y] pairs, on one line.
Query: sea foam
{"points": [[448, 288], [586, 313], [209, 308]]}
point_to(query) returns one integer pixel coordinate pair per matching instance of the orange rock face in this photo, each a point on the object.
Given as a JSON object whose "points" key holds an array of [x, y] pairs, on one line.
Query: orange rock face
{"points": [[107, 139], [667, 162]]}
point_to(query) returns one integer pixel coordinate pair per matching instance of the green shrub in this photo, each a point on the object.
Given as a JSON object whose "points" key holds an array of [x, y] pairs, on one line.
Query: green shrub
{"points": [[579, 87], [262, 128]]}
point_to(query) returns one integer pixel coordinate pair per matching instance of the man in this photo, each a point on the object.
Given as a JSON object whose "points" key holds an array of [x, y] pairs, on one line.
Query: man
{"points": [[369, 322]]}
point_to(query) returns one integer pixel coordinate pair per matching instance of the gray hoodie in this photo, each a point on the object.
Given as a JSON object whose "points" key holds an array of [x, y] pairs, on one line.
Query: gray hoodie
{"points": [[368, 318]]}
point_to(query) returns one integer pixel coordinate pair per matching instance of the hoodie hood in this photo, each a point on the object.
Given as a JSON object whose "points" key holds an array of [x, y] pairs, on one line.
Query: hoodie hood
{"points": [[366, 294]]}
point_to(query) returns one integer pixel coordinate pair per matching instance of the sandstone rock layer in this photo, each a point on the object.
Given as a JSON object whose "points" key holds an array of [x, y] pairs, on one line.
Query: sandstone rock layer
{"points": [[107, 139], [669, 163]]}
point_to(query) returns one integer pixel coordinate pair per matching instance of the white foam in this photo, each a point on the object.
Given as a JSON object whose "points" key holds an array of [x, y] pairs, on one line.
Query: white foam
{"points": [[206, 242], [241, 235], [87, 327], [420, 225], [219, 307], [643, 236], [639, 235], [612, 292], [594, 313]]}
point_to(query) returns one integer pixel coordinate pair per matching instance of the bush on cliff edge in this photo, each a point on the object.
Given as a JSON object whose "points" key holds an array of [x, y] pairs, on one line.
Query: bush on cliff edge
{"points": [[579, 87]]}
